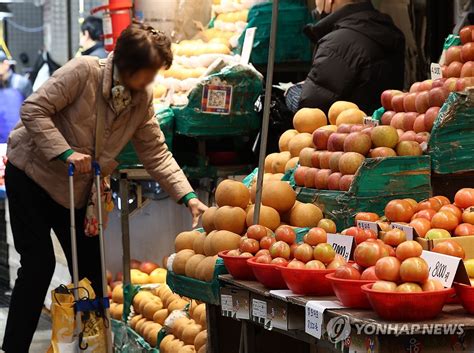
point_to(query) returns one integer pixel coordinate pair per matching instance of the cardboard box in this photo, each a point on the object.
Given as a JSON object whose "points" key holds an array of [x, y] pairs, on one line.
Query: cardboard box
{"points": [[466, 242]]}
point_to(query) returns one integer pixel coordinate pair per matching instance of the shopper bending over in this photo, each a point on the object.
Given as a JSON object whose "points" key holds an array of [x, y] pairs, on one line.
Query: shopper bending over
{"points": [[359, 53], [58, 127]]}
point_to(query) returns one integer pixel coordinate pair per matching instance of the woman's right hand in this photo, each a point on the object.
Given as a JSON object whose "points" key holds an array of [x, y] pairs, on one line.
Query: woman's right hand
{"points": [[82, 162]]}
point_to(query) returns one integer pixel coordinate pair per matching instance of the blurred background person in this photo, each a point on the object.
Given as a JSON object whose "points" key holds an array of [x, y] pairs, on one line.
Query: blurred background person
{"points": [[91, 41]]}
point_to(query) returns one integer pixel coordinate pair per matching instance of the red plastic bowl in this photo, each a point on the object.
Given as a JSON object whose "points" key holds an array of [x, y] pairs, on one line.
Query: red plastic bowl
{"points": [[307, 281], [465, 294], [407, 306], [349, 291], [267, 274], [237, 266]]}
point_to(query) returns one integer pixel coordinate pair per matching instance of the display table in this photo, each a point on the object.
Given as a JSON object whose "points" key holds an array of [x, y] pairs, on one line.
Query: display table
{"points": [[452, 330]]}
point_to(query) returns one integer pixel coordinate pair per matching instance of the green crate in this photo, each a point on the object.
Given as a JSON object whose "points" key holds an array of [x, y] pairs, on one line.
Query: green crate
{"points": [[207, 292], [128, 341], [451, 143], [246, 88], [378, 181], [128, 157]]}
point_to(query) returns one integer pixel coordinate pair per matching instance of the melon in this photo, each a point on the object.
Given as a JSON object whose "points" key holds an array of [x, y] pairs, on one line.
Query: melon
{"points": [[279, 162], [202, 319], [208, 219], [151, 308], [203, 349], [292, 163], [192, 264], [179, 263], [351, 116], [158, 275], [225, 240], [269, 217], [337, 108], [179, 325], [309, 119], [285, 139], [139, 326], [177, 304], [269, 161], [174, 346], [152, 334], [160, 316], [305, 215], [198, 244], [299, 142], [134, 320], [139, 297], [169, 299], [232, 193], [117, 294], [230, 218], [117, 312], [200, 340], [277, 177], [165, 342], [187, 349], [185, 240], [190, 332], [198, 311], [305, 156], [208, 251], [146, 301], [278, 195], [205, 269], [139, 277]]}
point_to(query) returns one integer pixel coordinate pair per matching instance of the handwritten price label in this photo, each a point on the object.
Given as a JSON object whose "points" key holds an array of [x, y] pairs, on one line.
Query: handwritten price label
{"points": [[442, 267], [226, 303], [409, 231], [368, 225], [436, 71], [314, 316], [259, 309], [342, 244]]}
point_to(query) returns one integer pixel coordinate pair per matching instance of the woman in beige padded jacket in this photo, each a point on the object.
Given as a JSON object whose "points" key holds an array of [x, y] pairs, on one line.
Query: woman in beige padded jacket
{"points": [[57, 127]]}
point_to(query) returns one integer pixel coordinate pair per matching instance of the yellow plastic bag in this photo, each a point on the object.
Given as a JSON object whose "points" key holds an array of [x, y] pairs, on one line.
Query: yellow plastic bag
{"points": [[63, 318]]}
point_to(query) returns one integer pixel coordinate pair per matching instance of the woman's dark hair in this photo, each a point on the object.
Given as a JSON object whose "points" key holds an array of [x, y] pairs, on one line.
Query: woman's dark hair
{"points": [[93, 25], [141, 46]]}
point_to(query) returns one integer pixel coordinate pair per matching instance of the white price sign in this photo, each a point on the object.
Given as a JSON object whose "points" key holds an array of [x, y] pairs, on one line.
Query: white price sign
{"points": [[314, 316], [409, 231], [226, 302], [259, 309], [369, 121], [342, 244], [368, 225], [248, 45], [436, 71], [442, 267]]}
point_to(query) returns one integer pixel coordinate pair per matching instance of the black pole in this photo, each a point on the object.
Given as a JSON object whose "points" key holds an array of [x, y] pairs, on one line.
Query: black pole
{"points": [[69, 30]]}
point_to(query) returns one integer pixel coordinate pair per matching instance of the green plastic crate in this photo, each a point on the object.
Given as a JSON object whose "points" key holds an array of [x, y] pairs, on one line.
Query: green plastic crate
{"points": [[128, 341], [378, 181], [451, 143], [128, 157], [246, 87]]}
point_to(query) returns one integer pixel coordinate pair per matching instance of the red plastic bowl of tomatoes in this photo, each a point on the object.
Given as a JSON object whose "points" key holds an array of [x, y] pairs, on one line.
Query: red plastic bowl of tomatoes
{"points": [[237, 266], [349, 291], [306, 281], [267, 274]]}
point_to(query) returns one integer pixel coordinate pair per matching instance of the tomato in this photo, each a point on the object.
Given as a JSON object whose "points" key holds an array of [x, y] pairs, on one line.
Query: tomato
{"points": [[399, 211], [443, 199], [384, 286], [390, 250], [454, 209], [267, 242], [388, 269], [367, 216], [432, 285], [235, 252], [280, 261], [324, 253], [384, 226], [412, 202], [369, 274], [249, 245], [262, 252], [427, 214], [468, 215], [394, 237], [407, 249], [464, 198], [328, 225], [246, 254], [414, 269], [347, 272], [286, 234], [337, 262], [304, 253], [436, 233], [449, 247], [256, 232], [315, 265], [292, 250], [264, 259], [464, 229], [444, 220], [421, 226], [280, 249], [409, 288], [295, 264], [360, 234], [367, 253], [469, 265], [431, 203], [315, 236]]}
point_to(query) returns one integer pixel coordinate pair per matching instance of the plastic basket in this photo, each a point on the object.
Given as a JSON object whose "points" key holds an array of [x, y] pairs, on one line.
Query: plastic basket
{"points": [[237, 266], [307, 281], [349, 291], [465, 294], [267, 274]]}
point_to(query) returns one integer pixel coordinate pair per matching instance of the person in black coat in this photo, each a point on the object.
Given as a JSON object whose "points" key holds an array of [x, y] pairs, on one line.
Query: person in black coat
{"points": [[359, 53]]}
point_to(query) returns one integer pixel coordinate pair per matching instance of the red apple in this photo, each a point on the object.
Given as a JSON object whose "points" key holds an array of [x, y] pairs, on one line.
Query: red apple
{"points": [[453, 54], [400, 132], [358, 142], [309, 177], [422, 102], [422, 137], [467, 52], [135, 264], [344, 128], [397, 102], [387, 117], [408, 136], [345, 182], [109, 277], [439, 82], [409, 120], [397, 121], [334, 161], [148, 267], [419, 125], [409, 102], [468, 69], [437, 97], [409, 148], [430, 117], [357, 128], [382, 152], [466, 34], [444, 69], [336, 141], [386, 98], [321, 179], [454, 69], [324, 159], [367, 130], [320, 138], [463, 83], [426, 85], [315, 159], [300, 175], [119, 277], [450, 84], [415, 87], [333, 181]]}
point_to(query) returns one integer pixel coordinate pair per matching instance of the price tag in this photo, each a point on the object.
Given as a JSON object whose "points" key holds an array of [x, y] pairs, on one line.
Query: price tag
{"points": [[436, 71], [368, 225], [314, 316], [259, 310], [409, 231], [226, 302], [445, 268], [248, 45], [369, 121], [342, 244]]}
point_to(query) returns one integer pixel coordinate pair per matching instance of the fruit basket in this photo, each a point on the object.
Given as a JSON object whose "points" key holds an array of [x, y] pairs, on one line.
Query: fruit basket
{"points": [[349, 291], [307, 281], [378, 181], [267, 274], [237, 266], [465, 294], [403, 306]]}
